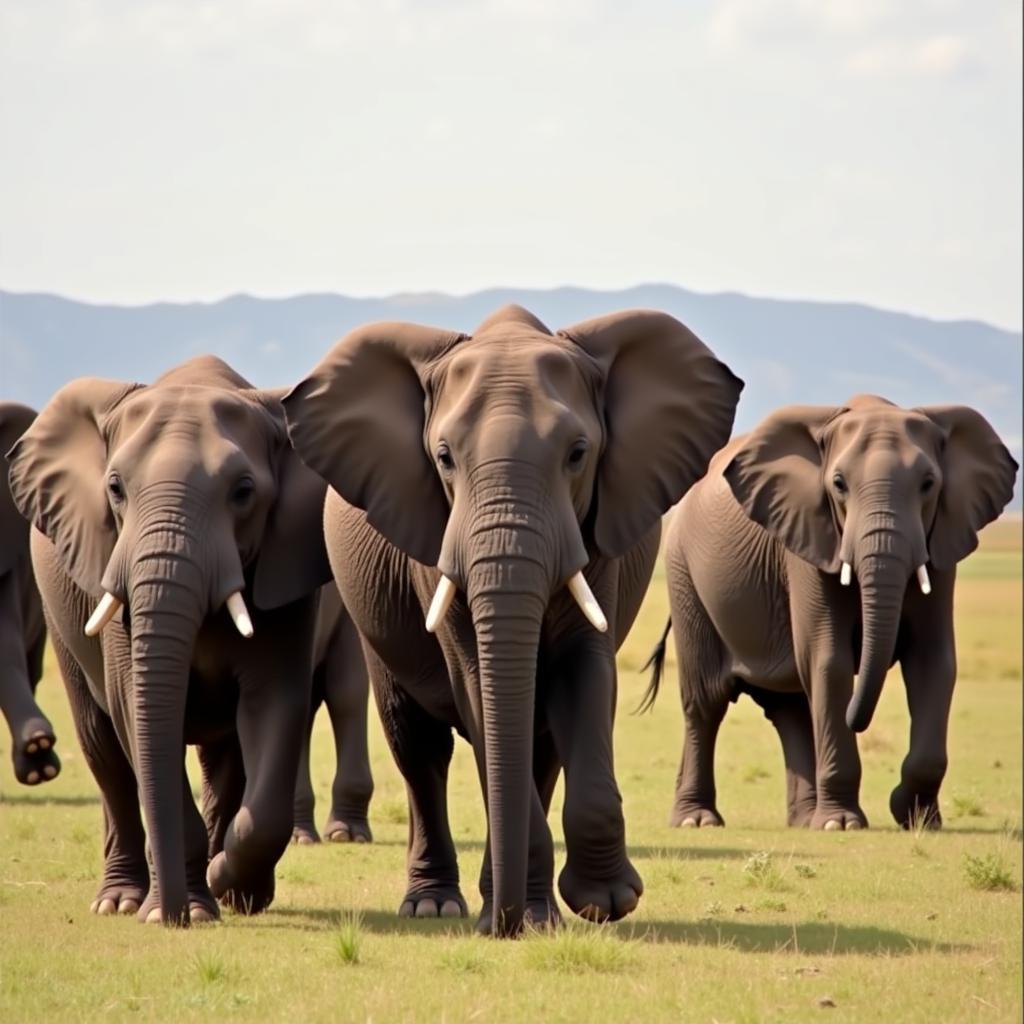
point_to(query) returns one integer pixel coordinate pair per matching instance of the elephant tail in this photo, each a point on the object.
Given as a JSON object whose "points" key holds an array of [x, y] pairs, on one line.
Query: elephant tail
{"points": [[656, 663]]}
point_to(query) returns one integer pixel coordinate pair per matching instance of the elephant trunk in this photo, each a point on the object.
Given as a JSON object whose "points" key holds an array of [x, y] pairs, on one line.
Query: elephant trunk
{"points": [[882, 574], [167, 594]]}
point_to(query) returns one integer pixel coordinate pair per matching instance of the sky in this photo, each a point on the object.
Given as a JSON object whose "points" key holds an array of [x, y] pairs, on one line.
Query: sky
{"points": [[826, 149]]}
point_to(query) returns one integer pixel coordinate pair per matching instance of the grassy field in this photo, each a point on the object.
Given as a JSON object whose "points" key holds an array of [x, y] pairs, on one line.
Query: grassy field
{"points": [[753, 922]]}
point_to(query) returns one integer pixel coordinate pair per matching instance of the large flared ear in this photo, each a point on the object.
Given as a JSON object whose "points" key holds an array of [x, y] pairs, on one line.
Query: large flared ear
{"points": [[57, 475], [978, 474], [668, 407], [776, 474], [358, 420], [292, 560], [15, 419]]}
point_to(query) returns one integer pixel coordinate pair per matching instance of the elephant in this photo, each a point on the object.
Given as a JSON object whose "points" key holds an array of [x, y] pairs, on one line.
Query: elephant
{"points": [[492, 522], [182, 508], [339, 682], [22, 631], [821, 546]]}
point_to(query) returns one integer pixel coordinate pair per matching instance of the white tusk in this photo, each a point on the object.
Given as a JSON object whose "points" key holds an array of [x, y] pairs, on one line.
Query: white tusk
{"points": [[108, 607], [443, 597], [587, 602], [922, 579], [845, 574], [239, 614]]}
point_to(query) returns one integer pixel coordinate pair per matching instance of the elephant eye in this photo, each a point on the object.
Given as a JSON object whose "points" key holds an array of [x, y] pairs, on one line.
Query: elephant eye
{"points": [[115, 488], [577, 454], [927, 484], [243, 491], [444, 458], [839, 483]]}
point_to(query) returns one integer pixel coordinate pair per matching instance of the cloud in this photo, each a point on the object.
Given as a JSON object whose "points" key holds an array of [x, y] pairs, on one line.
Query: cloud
{"points": [[937, 56]]}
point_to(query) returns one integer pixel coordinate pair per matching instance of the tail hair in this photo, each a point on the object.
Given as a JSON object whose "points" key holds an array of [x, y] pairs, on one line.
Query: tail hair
{"points": [[656, 662]]}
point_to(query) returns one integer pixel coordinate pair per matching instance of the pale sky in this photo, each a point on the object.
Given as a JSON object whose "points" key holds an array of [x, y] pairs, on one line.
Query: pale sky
{"points": [[863, 150]]}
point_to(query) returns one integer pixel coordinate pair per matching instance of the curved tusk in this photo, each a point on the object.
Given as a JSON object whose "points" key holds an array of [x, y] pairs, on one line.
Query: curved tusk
{"points": [[846, 574], [239, 614], [588, 603], [108, 607], [922, 579], [443, 597]]}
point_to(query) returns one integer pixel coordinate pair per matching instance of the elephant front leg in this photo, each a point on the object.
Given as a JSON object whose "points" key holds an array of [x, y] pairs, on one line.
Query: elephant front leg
{"points": [[598, 881], [838, 769]]}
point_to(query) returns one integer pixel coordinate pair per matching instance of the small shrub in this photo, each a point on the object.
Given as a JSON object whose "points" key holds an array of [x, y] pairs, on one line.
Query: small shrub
{"points": [[755, 774], [210, 968], [805, 871], [348, 939], [577, 948], [762, 871], [778, 906], [989, 873], [712, 909]]}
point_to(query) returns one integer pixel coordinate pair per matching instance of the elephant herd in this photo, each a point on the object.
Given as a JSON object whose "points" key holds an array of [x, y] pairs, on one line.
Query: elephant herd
{"points": [[469, 524]]}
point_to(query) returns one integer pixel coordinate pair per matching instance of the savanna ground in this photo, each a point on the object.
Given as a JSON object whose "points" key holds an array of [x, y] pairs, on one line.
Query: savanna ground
{"points": [[753, 922]]}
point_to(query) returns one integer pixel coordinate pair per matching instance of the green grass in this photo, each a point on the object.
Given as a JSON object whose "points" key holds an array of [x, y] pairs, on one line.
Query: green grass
{"points": [[885, 924]]}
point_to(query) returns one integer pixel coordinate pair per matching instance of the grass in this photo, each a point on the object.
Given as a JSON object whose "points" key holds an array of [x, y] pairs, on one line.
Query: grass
{"points": [[863, 920]]}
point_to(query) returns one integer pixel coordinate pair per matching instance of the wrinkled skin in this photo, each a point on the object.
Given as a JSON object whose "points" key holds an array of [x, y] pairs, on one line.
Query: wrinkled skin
{"points": [[22, 630], [172, 497], [754, 556], [508, 460], [341, 684]]}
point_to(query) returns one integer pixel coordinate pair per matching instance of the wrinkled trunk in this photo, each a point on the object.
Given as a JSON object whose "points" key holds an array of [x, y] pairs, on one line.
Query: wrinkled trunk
{"points": [[167, 602], [883, 583]]}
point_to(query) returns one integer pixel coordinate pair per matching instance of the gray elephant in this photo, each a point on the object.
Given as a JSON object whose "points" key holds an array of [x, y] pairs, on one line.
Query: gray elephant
{"points": [[821, 546], [178, 549], [22, 631], [492, 526], [340, 683]]}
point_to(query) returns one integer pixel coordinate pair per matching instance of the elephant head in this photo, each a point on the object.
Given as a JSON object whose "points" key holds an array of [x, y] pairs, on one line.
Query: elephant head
{"points": [[873, 490], [509, 459], [165, 503]]}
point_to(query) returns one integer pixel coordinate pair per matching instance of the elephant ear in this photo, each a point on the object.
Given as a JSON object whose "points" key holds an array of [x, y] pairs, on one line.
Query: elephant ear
{"points": [[978, 477], [292, 561], [668, 406], [15, 419], [358, 420], [775, 473], [57, 475]]}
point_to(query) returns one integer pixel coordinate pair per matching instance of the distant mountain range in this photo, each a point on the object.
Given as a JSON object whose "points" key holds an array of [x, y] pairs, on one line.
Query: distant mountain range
{"points": [[786, 351]]}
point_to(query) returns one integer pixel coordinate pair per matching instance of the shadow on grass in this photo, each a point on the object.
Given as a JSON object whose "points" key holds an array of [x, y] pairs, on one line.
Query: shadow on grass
{"points": [[41, 800], [809, 937]]}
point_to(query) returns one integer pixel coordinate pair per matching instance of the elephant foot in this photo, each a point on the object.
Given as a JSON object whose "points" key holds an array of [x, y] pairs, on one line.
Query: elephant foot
{"points": [[304, 833], [35, 760], [540, 915], [114, 898], [834, 818], [202, 909], [250, 898], [347, 830], [800, 815], [601, 899], [695, 815], [439, 901], [913, 810]]}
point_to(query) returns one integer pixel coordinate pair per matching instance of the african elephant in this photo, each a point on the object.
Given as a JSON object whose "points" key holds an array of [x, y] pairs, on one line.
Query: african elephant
{"points": [[485, 490], [821, 546], [22, 631], [182, 509], [339, 682]]}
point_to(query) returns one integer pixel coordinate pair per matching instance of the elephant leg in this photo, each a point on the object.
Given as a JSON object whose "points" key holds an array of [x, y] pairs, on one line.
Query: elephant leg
{"points": [[223, 787], [32, 735], [125, 872], [541, 906], [695, 804], [346, 693], [598, 881], [928, 662], [202, 906], [303, 826], [790, 713]]}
